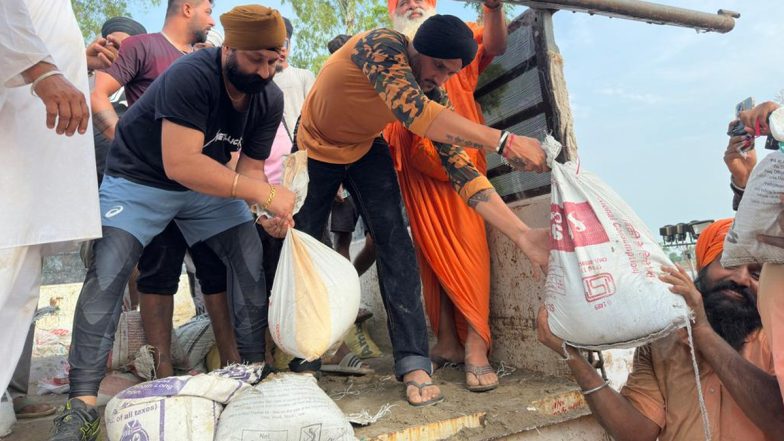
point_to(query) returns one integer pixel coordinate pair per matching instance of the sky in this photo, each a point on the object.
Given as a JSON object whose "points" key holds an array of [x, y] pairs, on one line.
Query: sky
{"points": [[650, 103]]}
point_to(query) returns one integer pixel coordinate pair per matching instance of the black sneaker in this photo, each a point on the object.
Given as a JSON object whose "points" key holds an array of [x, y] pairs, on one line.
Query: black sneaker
{"points": [[77, 422]]}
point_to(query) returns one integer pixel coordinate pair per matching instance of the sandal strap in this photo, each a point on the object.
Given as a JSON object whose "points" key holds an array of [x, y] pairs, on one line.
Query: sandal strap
{"points": [[479, 370]]}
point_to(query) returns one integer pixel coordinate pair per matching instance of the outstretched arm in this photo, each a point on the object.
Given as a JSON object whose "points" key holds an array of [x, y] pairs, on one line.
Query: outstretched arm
{"points": [[614, 411]]}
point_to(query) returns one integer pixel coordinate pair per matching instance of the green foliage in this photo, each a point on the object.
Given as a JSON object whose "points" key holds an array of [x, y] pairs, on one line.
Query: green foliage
{"points": [[92, 13], [319, 21], [509, 10]]}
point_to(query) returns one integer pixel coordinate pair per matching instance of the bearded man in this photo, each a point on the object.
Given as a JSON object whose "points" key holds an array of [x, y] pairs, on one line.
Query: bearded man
{"points": [[659, 400], [168, 162], [450, 237]]}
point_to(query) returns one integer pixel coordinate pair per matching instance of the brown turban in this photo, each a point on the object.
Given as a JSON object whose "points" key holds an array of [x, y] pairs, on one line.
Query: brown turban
{"points": [[711, 242], [253, 27]]}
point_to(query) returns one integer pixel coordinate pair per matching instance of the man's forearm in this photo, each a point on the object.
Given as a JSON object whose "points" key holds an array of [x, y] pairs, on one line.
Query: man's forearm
{"points": [[105, 122], [203, 174], [450, 128], [614, 412], [755, 391], [495, 32]]}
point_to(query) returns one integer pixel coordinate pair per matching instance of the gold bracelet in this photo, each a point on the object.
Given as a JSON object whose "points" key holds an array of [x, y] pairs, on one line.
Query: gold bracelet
{"points": [[266, 205], [234, 185]]}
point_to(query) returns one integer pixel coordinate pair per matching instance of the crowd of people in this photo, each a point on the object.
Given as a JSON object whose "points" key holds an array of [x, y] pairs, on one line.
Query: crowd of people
{"points": [[191, 127]]}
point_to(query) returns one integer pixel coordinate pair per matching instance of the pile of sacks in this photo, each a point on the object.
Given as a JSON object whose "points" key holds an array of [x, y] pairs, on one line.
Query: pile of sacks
{"points": [[227, 404]]}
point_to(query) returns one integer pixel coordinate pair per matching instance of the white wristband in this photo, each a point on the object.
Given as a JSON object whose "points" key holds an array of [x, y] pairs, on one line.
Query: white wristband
{"points": [[42, 77]]}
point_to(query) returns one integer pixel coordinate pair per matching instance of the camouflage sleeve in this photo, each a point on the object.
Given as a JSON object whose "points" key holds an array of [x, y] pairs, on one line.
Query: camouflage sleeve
{"points": [[465, 178], [382, 56]]}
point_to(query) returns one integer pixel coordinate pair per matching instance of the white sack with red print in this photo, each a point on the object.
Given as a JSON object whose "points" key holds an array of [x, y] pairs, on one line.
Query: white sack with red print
{"points": [[602, 289]]}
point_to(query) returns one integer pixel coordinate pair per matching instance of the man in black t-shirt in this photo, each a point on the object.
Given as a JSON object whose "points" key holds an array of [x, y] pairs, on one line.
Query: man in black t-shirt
{"points": [[168, 162]]}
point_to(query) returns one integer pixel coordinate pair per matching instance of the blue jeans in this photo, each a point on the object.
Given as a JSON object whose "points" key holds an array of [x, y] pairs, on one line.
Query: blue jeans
{"points": [[373, 185]]}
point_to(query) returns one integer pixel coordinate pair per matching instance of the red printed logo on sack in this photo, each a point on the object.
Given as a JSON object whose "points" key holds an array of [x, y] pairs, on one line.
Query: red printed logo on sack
{"points": [[575, 225], [598, 287]]}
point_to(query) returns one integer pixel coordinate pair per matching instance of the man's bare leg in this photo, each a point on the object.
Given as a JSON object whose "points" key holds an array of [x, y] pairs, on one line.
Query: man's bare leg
{"points": [[476, 355], [343, 244], [218, 308], [447, 345], [366, 256], [133, 291], [157, 311]]}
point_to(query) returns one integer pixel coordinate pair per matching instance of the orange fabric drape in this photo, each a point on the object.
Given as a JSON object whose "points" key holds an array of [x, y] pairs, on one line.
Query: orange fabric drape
{"points": [[450, 237]]}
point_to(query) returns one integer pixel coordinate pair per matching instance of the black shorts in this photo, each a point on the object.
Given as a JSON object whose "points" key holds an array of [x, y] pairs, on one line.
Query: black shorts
{"points": [[160, 265], [344, 216]]}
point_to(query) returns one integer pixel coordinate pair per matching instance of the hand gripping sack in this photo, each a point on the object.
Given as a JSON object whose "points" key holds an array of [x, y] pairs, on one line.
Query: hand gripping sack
{"points": [[602, 289], [760, 212], [315, 295]]}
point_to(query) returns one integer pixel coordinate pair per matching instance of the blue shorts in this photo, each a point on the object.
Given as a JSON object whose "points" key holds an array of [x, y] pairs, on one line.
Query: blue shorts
{"points": [[144, 211]]}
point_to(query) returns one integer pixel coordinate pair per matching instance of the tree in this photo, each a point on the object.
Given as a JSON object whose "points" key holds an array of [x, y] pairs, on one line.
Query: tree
{"points": [[90, 14], [319, 21]]}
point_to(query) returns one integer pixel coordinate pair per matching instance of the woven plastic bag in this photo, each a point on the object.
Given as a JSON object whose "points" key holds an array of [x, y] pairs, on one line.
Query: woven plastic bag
{"points": [[602, 289], [759, 212], [316, 292]]}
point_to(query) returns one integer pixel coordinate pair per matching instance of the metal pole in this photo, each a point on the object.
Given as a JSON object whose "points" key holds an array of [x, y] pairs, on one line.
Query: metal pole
{"points": [[652, 13]]}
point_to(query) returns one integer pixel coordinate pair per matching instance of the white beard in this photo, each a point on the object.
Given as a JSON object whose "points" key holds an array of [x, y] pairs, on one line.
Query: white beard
{"points": [[409, 26]]}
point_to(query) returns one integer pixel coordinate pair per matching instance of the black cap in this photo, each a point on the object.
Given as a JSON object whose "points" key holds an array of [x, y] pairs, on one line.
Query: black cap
{"points": [[289, 27], [446, 37], [122, 24]]}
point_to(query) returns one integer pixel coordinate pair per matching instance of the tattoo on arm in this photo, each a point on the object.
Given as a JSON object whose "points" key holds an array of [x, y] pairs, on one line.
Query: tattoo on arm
{"points": [[482, 196], [454, 139], [461, 171], [105, 119]]}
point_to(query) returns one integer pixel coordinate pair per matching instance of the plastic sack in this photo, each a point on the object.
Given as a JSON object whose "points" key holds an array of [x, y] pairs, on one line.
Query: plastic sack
{"points": [[295, 179], [176, 408], [315, 297], [285, 407], [760, 212], [196, 339], [602, 289]]}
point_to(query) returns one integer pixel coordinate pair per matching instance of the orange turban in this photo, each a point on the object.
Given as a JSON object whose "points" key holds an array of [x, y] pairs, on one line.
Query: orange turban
{"points": [[253, 27], [392, 5], [711, 242]]}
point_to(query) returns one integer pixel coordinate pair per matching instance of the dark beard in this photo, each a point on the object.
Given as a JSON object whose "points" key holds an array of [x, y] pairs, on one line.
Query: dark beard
{"points": [[199, 36], [732, 319], [246, 83]]}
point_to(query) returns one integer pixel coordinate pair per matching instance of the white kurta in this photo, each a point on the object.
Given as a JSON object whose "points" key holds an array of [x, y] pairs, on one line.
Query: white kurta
{"points": [[48, 190]]}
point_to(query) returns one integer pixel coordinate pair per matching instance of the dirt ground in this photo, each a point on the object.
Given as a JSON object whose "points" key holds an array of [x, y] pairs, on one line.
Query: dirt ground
{"points": [[520, 403]]}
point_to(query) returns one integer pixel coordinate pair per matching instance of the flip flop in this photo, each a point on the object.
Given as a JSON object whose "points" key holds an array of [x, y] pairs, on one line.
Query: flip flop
{"points": [[25, 408], [477, 371], [435, 400], [349, 365]]}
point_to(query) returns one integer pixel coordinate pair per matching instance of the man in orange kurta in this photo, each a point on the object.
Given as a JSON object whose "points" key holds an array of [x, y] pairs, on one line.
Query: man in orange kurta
{"points": [[450, 236]]}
